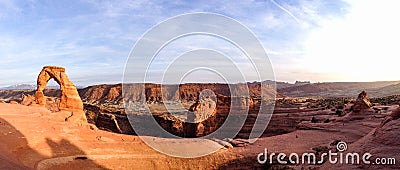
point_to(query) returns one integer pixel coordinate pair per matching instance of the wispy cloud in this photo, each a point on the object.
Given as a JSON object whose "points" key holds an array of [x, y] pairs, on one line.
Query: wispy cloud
{"points": [[9, 8], [287, 11], [93, 38]]}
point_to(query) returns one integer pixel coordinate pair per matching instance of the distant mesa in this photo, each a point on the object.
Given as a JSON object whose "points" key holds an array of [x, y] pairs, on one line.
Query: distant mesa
{"points": [[302, 82], [362, 102]]}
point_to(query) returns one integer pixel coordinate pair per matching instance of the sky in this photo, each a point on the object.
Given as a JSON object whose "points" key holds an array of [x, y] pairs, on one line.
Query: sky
{"points": [[307, 40]]}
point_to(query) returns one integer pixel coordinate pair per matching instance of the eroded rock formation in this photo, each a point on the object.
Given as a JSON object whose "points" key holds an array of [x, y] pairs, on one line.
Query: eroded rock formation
{"points": [[201, 118], [393, 116], [362, 102], [201, 110], [155, 93], [27, 99], [70, 106], [70, 99]]}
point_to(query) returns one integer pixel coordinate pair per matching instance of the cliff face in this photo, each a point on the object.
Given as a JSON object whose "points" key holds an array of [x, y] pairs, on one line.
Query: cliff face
{"points": [[112, 93], [104, 104], [100, 94]]}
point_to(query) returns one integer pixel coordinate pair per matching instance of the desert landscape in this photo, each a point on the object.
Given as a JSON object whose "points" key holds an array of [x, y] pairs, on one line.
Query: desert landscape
{"points": [[227, 84], [88, 128]]}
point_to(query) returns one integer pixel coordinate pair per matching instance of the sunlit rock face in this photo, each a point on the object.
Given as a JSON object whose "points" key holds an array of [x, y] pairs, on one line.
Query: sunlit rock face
{"points": [[70, 99], [362, 102]]}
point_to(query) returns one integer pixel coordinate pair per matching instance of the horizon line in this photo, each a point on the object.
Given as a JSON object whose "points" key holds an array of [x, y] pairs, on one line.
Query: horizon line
{"points": [[275, 81]]}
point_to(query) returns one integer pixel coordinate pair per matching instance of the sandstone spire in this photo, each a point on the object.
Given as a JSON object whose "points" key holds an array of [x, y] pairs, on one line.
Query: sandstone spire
{"points": [[362, 102]]}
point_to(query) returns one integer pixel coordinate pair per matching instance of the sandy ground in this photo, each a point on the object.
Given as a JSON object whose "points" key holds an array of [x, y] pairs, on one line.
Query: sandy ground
{"points": [[33, 137]]}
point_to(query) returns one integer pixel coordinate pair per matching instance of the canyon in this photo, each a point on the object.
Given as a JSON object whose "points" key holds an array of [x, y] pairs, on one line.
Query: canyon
{"points": [[92, 127]]}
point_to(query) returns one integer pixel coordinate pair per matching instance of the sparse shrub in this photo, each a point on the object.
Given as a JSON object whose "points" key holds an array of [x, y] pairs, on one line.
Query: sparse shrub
{"points": [[339, 112], [314, 120], [321, 149], [335, 142], [327, 121], [341, 107]]}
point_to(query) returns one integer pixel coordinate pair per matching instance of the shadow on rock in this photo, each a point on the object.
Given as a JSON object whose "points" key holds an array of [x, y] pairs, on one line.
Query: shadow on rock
{"points": [[15, 153]]}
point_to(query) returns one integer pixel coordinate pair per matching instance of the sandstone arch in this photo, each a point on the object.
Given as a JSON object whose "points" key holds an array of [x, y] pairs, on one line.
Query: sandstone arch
{"points": [[70, 99]]}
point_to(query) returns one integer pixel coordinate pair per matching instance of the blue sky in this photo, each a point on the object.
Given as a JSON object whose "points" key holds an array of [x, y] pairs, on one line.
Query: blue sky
{"points": [[320, 40]]}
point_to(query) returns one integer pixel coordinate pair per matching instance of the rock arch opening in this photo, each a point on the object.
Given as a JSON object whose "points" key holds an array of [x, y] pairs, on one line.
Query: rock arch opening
{"points": [[69, 100]]}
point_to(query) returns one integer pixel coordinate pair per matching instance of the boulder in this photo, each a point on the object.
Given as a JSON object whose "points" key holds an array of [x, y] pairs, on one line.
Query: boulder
{"points": [[27, 99]]}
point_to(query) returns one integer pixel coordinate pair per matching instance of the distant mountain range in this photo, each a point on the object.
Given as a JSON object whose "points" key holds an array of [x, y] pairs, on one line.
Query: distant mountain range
{"points": [[26, 87], [20, 87], [341, 89]]}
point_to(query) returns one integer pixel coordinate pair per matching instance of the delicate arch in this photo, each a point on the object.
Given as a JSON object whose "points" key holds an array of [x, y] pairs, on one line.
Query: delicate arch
{"points": [[70, 99]]}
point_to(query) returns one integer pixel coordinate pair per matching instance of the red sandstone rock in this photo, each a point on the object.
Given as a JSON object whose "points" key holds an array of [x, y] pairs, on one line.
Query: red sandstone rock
{"points": [[393, 116], [13, 102], [70, 99], [27, 99], [202, 110], [185, 92], [200, 116], [362, 102]]}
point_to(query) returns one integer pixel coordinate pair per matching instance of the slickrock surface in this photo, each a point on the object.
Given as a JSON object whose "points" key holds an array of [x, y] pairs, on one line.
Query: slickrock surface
{"points": [[37, 138], [34, 137], [381, 142]]}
